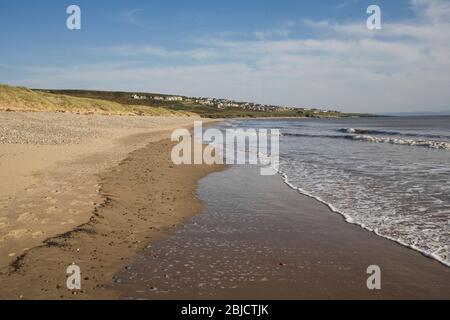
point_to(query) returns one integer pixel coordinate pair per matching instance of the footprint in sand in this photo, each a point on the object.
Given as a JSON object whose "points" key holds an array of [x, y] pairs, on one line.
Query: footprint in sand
{"points": [[74, 202], [51, 200], [70, 221], [26, 205], [26, 216], [3, 223], [51, 209], [37, 234], [17, 233], [73, 212]]}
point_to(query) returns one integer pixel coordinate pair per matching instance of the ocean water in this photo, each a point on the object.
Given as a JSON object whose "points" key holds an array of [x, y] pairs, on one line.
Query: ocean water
{"points": [[390, 175]]}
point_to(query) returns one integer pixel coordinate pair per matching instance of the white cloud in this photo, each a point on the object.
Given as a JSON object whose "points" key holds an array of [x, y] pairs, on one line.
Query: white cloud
{"points": [[280, 32], [154, 51], [403, 67], [434, 10]]}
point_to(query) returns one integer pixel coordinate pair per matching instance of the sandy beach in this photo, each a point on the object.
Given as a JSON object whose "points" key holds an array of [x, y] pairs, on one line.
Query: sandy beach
{"points": [[259, 239], [220, 159], [60, 172], [101, 192]]}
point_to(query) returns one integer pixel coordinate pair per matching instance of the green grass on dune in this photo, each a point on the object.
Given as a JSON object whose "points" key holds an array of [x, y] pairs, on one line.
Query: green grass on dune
{"points": [[184, 106], [23, 99], [122, 103]]}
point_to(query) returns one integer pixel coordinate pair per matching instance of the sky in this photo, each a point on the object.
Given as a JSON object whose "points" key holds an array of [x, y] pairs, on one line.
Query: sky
{"points": [[286, 52]]}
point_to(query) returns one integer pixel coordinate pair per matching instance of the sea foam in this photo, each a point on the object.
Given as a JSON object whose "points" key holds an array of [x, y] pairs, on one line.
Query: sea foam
{"points": [[349, 219]]}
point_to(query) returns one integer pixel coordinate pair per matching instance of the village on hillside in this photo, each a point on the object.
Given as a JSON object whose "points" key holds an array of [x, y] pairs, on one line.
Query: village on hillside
{"points": [[227, 103]]}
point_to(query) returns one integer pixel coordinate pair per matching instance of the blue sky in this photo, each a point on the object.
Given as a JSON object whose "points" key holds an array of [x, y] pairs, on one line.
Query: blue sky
{"points": [[299, 53]]}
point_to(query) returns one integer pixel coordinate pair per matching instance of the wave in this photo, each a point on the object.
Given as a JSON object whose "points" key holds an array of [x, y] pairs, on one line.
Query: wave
{"points": [[306, 135], [350, 220], [359, 131], [433, 144], [441, 145], [392, 133]]}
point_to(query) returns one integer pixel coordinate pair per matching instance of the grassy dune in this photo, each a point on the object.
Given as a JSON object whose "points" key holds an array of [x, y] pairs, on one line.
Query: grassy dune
{"points": [[205, 111], [23, 99]]}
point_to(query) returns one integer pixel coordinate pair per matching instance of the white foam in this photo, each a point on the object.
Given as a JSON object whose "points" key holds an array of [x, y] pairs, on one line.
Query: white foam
{"points": [[350, 220], [442, 145]]}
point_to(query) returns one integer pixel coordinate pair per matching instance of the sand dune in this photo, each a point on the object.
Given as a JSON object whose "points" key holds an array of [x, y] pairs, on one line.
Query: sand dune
{"points": [[24, 99]]}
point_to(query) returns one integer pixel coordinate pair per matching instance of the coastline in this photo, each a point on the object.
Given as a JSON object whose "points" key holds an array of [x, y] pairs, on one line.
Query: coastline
{"points": [[348, 219], [134, 212], [259, 239], [90, 223]]}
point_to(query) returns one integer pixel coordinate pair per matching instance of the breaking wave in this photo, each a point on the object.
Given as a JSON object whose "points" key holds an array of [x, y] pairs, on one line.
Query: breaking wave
{"points": [[349, 219], [441, 145], [391, 133], [433, 144]]}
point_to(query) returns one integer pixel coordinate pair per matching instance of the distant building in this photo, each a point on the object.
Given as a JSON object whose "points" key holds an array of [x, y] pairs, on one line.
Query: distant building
{"points": [[138, 97], [167, 98], [174, 98]]}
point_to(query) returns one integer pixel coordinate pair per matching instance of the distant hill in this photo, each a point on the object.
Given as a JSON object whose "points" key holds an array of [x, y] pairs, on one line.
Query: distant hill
{"points": [[418, 114], [152, 104], [205, 107], [23, 99]]}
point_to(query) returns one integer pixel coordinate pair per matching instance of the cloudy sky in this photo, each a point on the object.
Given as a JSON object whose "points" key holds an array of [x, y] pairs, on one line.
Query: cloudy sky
{"points": [[298, 53]]}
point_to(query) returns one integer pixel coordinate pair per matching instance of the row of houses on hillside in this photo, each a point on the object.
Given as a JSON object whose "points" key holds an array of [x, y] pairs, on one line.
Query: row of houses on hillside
{"points": [[227, 103]]}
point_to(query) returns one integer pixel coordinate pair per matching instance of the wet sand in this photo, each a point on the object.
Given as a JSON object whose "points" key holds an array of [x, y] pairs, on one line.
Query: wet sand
{"points": [[259, 239], [116, 208], [49, 166], [144, 196], [108, 203]]}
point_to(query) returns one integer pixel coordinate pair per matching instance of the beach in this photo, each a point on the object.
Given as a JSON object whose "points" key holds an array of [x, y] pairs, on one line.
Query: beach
{"points": [[212, 157], [338, 208], [259, 239], [60, 172], [101, 192]]}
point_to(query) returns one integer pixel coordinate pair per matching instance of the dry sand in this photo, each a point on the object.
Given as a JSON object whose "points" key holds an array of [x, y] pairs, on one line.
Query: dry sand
{"points": [[53, 195], [95, 191]]}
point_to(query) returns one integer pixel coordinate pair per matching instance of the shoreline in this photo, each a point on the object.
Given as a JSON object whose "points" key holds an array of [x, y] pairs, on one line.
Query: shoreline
{"points": [[86, 239], [259, 239], [349, 220], [49, 165], [146, 209]]}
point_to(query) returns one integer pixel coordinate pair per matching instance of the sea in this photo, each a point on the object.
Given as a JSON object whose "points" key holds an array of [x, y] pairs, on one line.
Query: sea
{"points": [[389, 175]]}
